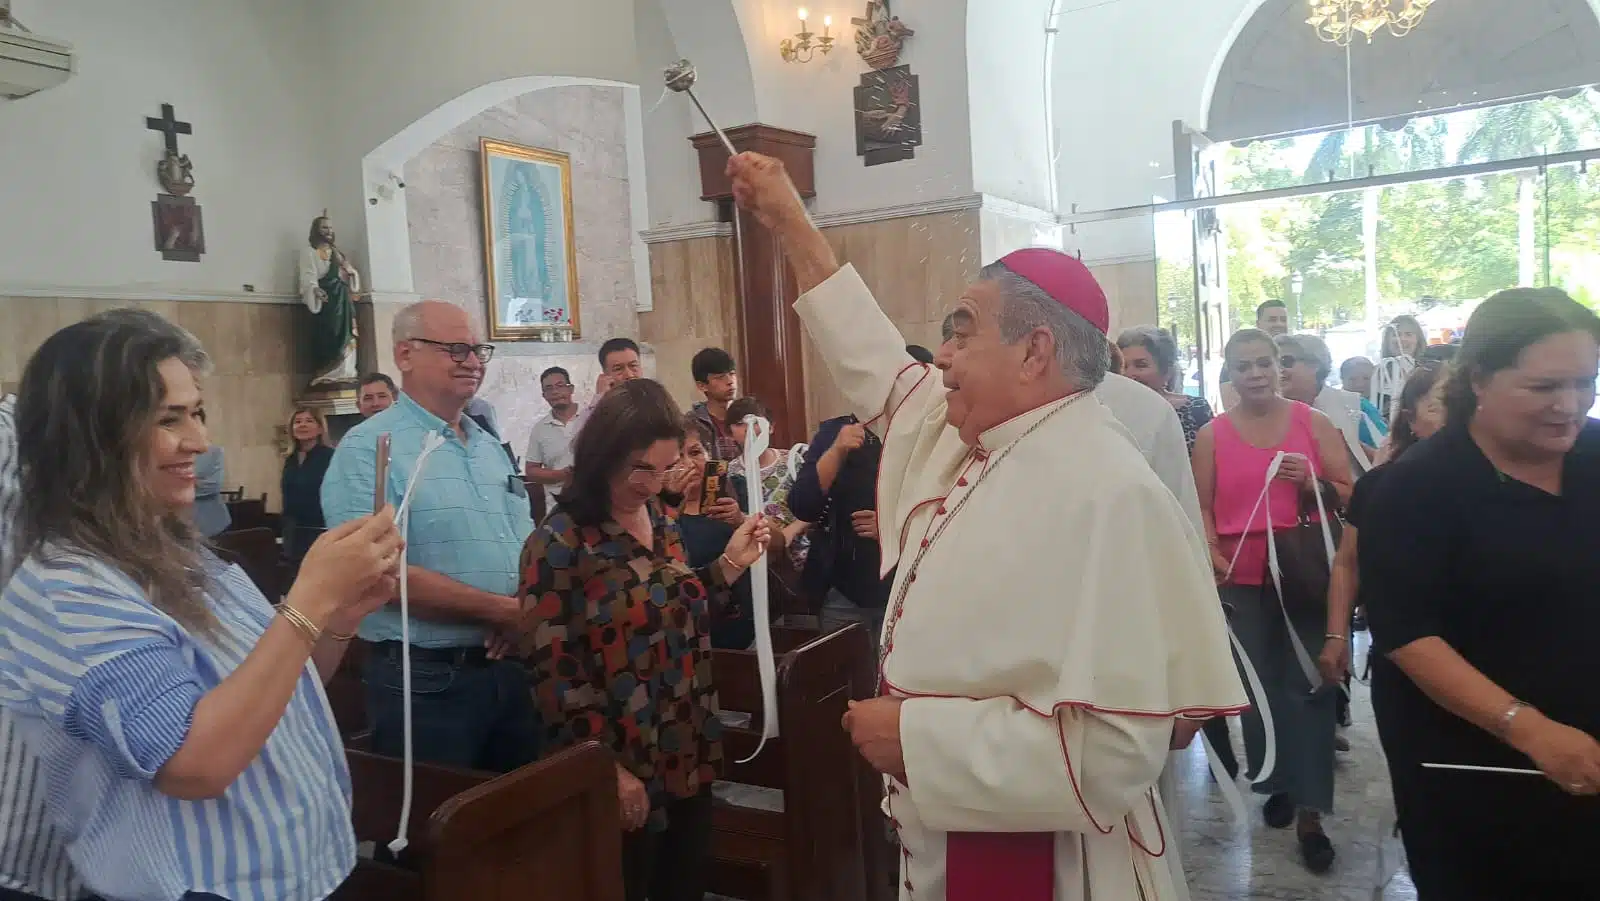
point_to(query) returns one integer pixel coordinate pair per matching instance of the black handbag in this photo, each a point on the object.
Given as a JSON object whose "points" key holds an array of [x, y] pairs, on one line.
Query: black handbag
{"points": [[1303, 554]]}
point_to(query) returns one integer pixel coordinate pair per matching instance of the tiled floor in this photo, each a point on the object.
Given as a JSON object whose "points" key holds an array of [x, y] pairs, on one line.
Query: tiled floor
{"points": [[1229, 862], [1226, 861]]}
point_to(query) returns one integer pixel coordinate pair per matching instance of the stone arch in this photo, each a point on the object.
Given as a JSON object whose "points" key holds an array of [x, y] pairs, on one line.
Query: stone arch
{"points": [[388, 237], [387, 94], [1273, 76]]}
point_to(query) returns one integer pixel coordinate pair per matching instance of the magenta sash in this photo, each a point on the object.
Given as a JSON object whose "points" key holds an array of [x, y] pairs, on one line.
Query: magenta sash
{"points": [[1017, 866]]}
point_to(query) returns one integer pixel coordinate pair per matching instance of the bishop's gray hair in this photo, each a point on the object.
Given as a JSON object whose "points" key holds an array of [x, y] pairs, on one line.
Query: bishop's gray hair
{"points": [[1081, 348]]}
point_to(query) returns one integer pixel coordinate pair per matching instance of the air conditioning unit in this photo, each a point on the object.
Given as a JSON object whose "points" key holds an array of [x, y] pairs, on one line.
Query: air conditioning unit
{"points": [[29, 64]]}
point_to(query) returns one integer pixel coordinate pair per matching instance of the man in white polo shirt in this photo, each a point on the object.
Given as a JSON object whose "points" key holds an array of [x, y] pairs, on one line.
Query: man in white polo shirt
{"points": [[33, 856], [548, 461]]}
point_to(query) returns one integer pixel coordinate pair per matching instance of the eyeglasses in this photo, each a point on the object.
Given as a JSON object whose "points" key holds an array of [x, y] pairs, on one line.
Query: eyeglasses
{"points": [[558, 386], [458, 350]]}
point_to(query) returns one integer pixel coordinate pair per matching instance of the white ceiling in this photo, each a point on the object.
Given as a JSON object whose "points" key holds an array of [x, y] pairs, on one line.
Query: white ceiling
{"points": [[1279, 77]]}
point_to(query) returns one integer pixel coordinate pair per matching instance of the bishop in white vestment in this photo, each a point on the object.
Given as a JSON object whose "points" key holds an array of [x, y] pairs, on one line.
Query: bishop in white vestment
{"points": [[1053, 611]]}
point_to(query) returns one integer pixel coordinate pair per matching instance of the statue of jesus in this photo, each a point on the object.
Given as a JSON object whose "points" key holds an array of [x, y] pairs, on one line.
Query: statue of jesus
{"points": [[329, 286]]}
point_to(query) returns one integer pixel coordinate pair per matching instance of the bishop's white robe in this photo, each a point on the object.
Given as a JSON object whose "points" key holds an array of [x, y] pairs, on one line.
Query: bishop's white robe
{"points": [[1052, 612]]}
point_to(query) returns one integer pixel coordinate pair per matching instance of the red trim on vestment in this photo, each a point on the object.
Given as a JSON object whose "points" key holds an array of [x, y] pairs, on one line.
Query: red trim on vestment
{"points": [[888, 415], [1134, 836], [877, 484], [1196, 712]]}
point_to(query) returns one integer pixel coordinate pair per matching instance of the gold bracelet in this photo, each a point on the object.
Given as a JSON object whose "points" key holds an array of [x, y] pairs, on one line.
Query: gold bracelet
{"points": [[729, 560], [309, 630], [339, 636], [1334, 636]]}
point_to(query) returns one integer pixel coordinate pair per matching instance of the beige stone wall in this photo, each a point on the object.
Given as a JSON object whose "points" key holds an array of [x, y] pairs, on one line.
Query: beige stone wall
{"points": [[693, 285], [444, 202], [248, 395], [1130, 292], [915, 265]]}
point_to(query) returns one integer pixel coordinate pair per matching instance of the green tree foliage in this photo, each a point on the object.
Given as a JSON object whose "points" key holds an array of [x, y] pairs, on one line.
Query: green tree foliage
{"points": [[1447, 241]]}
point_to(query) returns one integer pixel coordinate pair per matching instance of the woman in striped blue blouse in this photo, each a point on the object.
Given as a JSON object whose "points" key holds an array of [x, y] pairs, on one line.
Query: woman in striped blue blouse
{"points": [[189, 750]]}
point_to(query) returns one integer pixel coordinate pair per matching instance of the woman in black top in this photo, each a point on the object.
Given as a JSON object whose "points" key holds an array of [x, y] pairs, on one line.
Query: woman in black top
{"points": [[303, 470], [1479, 569]]}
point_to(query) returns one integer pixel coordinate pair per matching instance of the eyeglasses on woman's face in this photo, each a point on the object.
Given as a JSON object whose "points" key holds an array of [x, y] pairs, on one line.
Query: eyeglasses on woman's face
{"points": [[458, 350]]}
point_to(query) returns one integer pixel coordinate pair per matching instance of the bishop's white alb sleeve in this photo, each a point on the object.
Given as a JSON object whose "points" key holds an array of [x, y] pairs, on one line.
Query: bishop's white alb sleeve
{"points": [[864, 352], [995, 766]]}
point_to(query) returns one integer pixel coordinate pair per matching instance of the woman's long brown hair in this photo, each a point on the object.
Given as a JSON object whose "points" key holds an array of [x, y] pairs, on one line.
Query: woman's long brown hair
{"points": [[89, 398]]}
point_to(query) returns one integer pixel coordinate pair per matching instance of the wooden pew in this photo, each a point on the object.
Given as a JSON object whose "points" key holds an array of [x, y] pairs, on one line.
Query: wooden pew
{"points": [[550, 831], [251, 513], [802, 821], [256, 552]]}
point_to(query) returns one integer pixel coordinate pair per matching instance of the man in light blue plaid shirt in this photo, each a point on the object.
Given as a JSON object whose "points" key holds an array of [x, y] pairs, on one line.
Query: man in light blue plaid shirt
{"points": [[33, 856], [469, 520]]}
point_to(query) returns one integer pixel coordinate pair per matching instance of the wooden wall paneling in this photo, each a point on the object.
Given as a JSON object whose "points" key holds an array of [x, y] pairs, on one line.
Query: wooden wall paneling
{"points": [[771, 350]]}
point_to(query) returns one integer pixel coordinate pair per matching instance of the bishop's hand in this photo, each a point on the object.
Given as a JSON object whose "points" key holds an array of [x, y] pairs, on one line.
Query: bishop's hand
{"points": [[762, 187], [874, 727]]}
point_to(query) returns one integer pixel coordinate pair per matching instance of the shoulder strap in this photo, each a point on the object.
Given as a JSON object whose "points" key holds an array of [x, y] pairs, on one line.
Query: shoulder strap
{"points": [[1302, 656]]}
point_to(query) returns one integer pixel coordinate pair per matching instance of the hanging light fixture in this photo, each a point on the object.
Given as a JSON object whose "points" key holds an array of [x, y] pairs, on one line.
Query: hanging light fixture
{"points": [[1339, 21]]}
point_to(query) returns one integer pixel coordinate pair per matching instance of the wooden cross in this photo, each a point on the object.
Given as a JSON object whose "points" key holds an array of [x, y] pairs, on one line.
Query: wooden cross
{"points": [[169, 126]]}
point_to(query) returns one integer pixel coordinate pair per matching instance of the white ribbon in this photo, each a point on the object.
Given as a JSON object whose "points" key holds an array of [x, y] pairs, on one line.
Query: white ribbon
{"points": [[1349, 426], [757, 438], [430, 443], [1389, 380], [1307, 665], [797, 457]]}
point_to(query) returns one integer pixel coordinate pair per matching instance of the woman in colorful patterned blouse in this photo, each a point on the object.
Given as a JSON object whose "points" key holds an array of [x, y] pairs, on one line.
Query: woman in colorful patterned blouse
{"points": [[616, 631]]}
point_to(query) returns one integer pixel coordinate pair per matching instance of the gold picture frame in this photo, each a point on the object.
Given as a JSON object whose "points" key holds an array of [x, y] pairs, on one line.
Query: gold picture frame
{"points": [[529, 253]]}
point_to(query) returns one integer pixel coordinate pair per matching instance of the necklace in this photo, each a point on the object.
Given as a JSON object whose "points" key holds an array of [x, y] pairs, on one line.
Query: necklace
{"points": [[925, 546]]}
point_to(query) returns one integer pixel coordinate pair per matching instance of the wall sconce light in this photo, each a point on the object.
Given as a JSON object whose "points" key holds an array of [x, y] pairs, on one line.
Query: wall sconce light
{"points": [[801, 47]]}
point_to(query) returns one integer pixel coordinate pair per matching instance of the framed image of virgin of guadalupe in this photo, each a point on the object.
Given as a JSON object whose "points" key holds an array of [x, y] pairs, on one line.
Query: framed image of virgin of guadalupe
{"points": [[530, 259]]}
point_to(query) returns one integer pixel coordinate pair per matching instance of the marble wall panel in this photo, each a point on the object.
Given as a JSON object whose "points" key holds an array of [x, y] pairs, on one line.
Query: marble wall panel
{"points": [[916, 266], [248, 394], [693, 282], [1130, 292], [444, 203]]}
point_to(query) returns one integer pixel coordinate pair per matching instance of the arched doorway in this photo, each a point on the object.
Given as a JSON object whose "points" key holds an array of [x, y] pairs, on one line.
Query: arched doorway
{"points": [[1476, 126]]}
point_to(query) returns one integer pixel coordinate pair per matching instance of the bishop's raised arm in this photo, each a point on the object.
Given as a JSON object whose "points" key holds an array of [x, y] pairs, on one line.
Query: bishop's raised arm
{"points": [[864, 351]]}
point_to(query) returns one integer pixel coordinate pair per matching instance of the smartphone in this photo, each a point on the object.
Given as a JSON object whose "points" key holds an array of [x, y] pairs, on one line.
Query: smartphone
{"points": [[716, 475], [381, 492]]}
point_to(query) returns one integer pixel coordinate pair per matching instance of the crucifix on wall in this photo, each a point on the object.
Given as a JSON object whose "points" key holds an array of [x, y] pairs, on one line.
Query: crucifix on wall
{"points": [[179, 230]]}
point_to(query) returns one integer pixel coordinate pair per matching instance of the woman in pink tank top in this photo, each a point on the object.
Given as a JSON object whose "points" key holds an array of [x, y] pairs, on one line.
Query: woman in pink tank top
{"points": [[1231, 457]]}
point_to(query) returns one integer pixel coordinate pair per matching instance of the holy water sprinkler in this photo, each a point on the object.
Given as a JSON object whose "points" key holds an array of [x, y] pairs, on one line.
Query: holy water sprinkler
{"points": [[680, 79]]}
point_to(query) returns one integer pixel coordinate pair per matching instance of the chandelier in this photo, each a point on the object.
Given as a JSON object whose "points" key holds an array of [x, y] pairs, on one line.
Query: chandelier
{"points": [[1338, 21]]}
